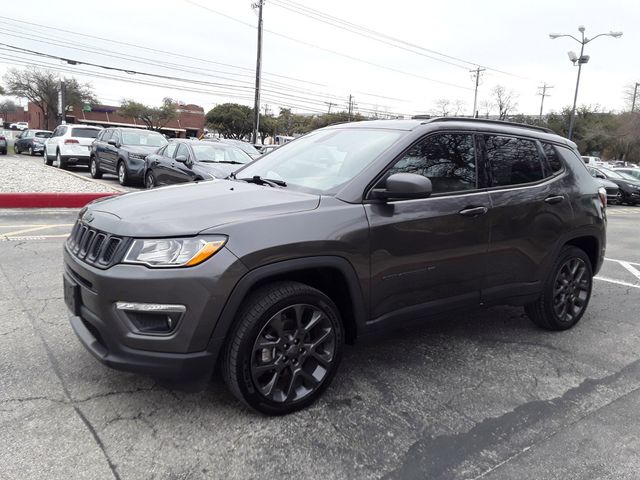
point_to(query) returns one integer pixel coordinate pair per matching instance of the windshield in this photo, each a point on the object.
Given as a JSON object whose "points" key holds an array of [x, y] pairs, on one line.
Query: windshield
{"points": [[209, 152], [324, 159], [245, 147], [85, 132], [148, 139], [616, 175]]}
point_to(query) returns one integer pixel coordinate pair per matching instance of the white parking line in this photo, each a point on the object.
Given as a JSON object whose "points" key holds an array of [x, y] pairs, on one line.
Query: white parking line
{"points": [[617, 282], [631, 269], [622, 261]]}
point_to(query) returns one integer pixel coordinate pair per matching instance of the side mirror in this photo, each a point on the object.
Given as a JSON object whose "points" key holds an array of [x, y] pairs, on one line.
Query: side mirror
{"points": [[182, 159], [403, 186], [599, 175], [113, 142]]}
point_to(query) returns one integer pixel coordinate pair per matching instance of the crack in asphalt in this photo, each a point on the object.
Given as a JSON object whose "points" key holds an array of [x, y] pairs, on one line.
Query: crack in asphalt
{"points": [[505, 437], [56, 368]]}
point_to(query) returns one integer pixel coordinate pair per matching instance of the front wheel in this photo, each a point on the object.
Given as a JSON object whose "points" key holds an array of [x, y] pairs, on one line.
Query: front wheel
{"points": [[149, 179], [123, 176], [285, 348], [31, 151], [16, 150], [94, 168], [566, 292]]}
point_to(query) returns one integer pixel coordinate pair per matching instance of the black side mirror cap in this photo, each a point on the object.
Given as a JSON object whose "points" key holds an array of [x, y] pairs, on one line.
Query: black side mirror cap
{"points": [[114, 143], [403, 186]]}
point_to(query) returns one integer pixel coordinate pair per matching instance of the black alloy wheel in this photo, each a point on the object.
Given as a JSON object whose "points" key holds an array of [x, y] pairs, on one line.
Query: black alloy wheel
{"points": [[285, 348], [566, 292], [292, 353]]}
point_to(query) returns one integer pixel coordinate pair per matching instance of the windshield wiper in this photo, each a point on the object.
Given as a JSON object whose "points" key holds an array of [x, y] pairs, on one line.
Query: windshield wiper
{"points": [[258, 180]]}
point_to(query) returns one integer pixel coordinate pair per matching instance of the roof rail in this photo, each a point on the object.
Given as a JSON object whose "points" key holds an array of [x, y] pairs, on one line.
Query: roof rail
{"points": [[495, 122]]}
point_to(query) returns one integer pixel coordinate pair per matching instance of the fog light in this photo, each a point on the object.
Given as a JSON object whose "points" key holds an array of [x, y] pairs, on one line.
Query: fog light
{"points": [[152, 318]]}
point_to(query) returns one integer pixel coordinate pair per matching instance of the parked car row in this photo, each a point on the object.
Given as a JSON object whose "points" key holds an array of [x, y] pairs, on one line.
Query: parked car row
{"points": [[628, 186], [31, 141]]}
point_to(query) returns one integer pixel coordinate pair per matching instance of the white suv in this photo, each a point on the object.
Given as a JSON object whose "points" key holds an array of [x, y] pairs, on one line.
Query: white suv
{"points": [[70, 144], [19, 126]]}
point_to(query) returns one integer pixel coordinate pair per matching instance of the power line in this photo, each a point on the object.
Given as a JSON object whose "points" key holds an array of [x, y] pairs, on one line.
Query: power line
{"points": [[372, 34], [170, 65], [333, 52]]}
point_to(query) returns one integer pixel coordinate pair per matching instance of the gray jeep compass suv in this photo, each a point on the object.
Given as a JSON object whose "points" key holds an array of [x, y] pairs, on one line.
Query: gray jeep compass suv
{"points": [[337, 236]]}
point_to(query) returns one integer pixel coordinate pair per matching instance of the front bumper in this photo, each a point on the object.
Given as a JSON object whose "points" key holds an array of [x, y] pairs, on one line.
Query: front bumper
{"points": [[182, 354]]}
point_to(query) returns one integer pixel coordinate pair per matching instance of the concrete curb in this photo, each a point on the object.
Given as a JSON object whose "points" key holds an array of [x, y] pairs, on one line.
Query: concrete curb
{"points": [[49, 200]]}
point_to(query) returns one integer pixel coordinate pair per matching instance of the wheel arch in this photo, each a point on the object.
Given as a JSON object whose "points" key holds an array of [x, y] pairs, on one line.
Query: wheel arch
{"points": [[590, 245], [334, 276]]}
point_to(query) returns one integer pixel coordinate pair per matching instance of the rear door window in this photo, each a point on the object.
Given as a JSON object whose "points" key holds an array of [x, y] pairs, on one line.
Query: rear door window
{"points": [[512, 161], [170, 150]]}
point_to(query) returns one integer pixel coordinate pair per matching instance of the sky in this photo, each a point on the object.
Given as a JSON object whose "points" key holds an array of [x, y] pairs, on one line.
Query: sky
{"points": [[312, 66]]}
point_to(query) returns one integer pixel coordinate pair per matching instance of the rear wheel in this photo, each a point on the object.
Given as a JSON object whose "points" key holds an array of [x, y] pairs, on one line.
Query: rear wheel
{"points": [[94, 168], [31, 150], [149, 179], [566, 291], [47, 158], [61, 163], [285, 348]]}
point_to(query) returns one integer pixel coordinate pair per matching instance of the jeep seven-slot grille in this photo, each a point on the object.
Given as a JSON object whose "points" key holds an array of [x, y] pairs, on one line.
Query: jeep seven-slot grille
{"points": [[93, 246]]}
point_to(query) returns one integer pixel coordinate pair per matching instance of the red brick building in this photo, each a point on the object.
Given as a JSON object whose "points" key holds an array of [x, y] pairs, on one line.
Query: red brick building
{"points": [[190, 121]]}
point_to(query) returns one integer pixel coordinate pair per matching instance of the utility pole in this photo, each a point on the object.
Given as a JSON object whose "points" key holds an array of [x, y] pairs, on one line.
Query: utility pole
{"points": [[635, 94], [256, 103], [351, 105], [543, 93], [476, 74], [331, 104], [61, 103]]}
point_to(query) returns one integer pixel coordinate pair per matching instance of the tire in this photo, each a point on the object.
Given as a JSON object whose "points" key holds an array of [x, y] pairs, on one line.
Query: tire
{"points": [[31, 153], [123, 175], [149, 180], [16, 150], [94, 168], [47, 159], [60, 160], [568, 287], [299, 363]]}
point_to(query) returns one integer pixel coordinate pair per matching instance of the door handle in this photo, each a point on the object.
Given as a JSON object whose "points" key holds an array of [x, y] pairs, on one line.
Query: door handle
{"points": [[552, 200], [473, 211]]}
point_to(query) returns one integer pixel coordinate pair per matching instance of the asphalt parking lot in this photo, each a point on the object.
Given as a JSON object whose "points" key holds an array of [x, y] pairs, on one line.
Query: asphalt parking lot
{"points": [[476, 395]]}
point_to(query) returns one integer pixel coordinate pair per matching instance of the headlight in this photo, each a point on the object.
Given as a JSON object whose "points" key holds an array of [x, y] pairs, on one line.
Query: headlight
{"points": [[173, 252]]}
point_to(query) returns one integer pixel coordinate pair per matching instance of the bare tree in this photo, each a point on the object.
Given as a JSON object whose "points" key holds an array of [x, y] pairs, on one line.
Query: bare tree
{"points": [[42, 86], [442, 107], [504, 100], [6, 107], [487, 107], [458, 107]]}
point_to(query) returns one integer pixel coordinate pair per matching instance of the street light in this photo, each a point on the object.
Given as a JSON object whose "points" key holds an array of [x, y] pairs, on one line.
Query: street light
{"points": [[580, 60]]}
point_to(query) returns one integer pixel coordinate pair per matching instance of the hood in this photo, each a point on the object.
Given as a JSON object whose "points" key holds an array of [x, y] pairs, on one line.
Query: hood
{"points": [[143, 149], [188, 209], [218, 170]]}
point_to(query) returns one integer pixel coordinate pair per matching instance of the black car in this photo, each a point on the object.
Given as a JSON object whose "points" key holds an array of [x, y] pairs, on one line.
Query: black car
{"points": [[338, 236], [31, 141], [192, 160], [629, 186], [122, 151]]}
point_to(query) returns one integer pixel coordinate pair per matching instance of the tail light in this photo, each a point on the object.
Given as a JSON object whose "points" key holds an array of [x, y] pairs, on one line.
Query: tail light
{"points": [[70, 141], [602, 193]]}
